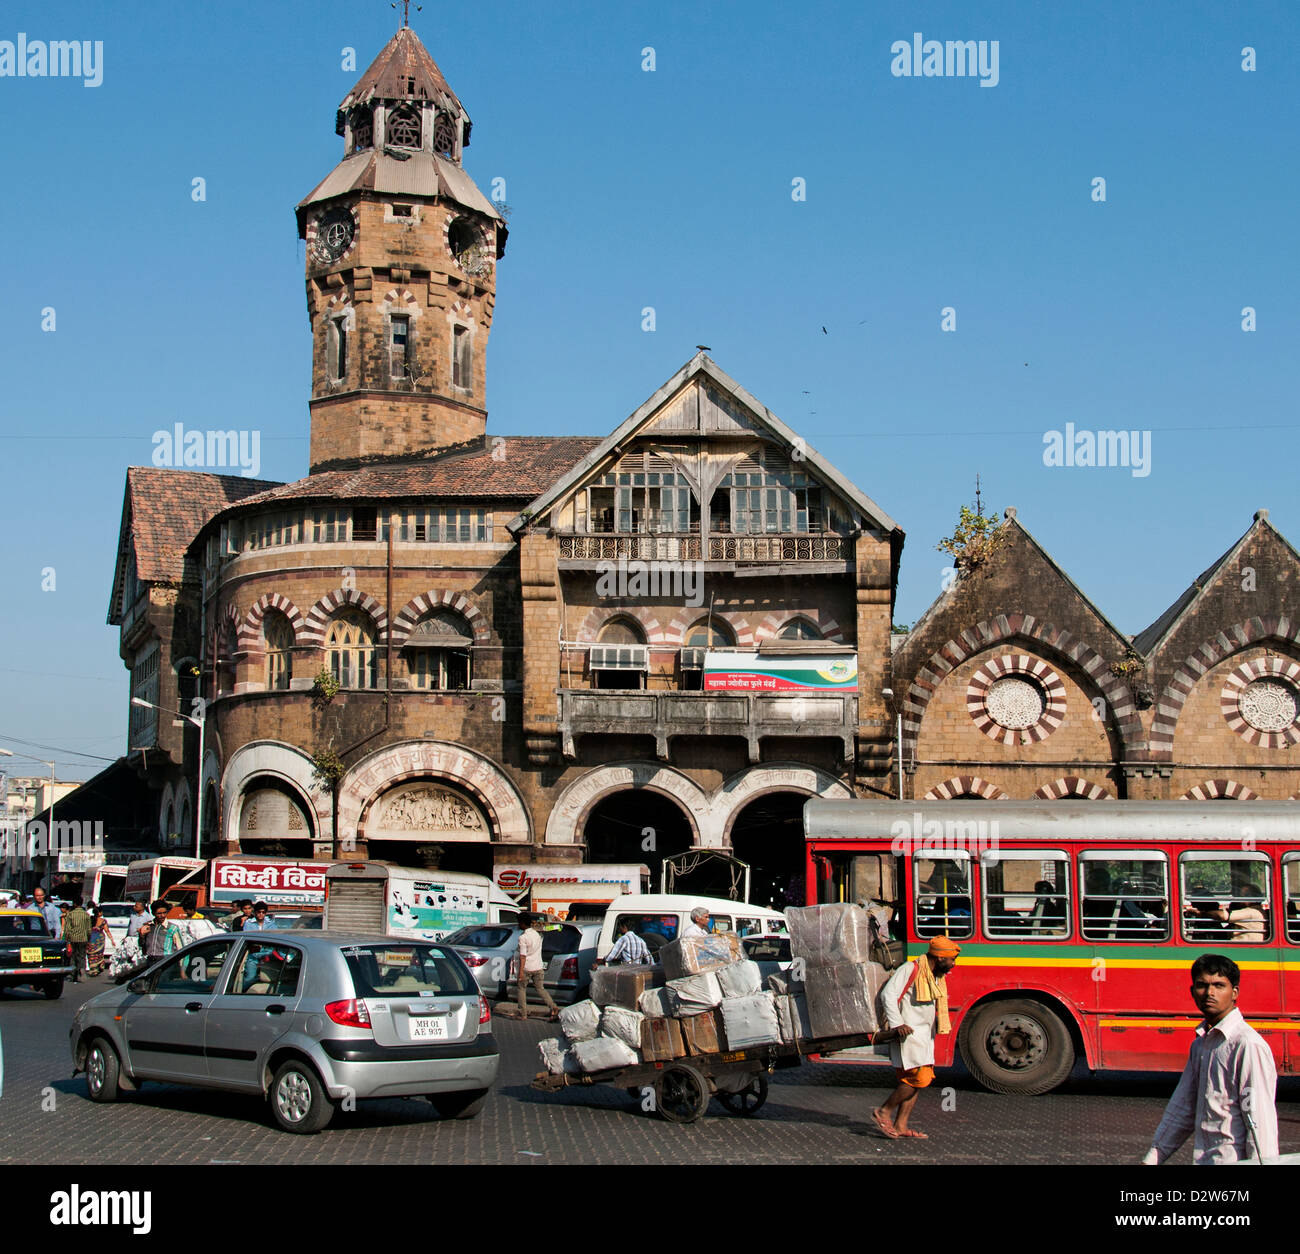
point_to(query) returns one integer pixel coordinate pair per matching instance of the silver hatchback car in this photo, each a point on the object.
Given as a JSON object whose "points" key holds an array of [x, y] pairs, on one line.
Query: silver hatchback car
{"points": [[306, 1019]]}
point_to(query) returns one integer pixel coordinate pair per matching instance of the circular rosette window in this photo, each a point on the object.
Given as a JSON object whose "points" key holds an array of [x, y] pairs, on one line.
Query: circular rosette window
{"points": [[1016, 700], [1261, 702]]}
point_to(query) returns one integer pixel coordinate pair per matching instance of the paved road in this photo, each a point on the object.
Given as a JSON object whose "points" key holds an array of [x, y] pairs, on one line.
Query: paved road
{"points": [[814, 1114]]}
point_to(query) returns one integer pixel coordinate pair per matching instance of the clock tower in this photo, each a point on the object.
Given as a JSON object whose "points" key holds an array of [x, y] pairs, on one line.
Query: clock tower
{"points": [[401, 272]]}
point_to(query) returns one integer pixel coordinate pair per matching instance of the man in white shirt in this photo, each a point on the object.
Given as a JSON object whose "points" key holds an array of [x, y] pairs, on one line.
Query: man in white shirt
{"points": [[531, 968], [915, 1002], [697, 924], [1226, 1095]]}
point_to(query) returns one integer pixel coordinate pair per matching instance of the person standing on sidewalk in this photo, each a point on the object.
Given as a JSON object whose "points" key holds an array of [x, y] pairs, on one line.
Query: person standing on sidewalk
{"points": [[531, 968], [76, 931], [1228, 1089], [915, 1002]]}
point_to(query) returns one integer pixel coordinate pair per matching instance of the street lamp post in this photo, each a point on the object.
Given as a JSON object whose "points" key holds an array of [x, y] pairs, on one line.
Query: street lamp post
{"points": [[200, 723]]}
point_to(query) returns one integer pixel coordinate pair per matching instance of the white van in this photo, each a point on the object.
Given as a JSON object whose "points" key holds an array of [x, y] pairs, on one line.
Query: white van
{"points": [[659, 918], [403, 901]]}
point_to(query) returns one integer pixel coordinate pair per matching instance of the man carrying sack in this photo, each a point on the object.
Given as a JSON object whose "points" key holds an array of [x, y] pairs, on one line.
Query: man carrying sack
{"points": [[915, 1002]]}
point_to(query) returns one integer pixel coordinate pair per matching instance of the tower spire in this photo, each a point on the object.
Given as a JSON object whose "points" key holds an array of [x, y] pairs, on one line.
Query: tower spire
{"points": [[406, 13]]}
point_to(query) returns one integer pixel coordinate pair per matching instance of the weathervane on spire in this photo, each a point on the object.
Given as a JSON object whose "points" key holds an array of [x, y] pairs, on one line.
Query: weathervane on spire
{"points": [[406, 12]]}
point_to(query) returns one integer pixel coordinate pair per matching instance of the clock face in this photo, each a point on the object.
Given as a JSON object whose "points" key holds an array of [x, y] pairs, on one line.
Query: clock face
{"points": [[334, 234]]}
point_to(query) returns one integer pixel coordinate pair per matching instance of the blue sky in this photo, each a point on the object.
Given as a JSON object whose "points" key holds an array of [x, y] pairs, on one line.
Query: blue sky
{"points": [[672, 189]]}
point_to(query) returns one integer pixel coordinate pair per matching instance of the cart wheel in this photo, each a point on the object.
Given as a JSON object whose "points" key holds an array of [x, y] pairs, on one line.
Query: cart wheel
{"points": [[682, 1094], [749, 1100]]}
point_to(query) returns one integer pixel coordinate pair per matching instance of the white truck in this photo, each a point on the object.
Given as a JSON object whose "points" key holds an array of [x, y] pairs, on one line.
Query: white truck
{"points": [[402, 901]]}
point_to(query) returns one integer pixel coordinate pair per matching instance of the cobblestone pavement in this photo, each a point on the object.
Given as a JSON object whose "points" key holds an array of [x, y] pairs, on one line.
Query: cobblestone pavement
{"points": [[817, 1113]]}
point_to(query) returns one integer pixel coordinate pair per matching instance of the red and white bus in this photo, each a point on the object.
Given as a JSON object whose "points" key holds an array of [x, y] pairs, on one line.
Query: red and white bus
{"points": [[1078, 921]]}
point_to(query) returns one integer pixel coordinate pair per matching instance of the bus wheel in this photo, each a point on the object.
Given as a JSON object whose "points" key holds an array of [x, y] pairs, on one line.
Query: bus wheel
{"points": [[1017, 1046]]}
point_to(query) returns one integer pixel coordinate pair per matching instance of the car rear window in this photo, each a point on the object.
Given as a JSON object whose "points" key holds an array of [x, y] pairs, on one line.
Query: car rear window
{"points": [[23, 925], [483, 937], [563, 940], [406, 970], [768, 948]]}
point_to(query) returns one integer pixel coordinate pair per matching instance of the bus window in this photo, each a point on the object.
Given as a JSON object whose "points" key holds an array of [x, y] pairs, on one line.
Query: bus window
{"points": [[1125, 897], [1225, 898], [941, 888], [1291, 887], [1026, 893]]}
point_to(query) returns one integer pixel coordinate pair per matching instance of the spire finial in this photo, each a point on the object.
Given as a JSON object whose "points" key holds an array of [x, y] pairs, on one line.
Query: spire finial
{"points": [[406, 13]]}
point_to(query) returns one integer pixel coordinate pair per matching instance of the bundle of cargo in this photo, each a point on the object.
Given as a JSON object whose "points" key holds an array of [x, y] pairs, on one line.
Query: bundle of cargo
{"points": [[695, 955], [623, 985], [831, 947]]}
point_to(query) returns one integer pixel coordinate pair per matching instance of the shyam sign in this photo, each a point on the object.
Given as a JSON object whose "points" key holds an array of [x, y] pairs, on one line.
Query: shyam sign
{"points": [[751, 672]]}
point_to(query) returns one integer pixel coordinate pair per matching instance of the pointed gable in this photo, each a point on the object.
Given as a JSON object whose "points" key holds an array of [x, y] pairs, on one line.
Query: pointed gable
{"points": [[701, 401], [403, 70]]}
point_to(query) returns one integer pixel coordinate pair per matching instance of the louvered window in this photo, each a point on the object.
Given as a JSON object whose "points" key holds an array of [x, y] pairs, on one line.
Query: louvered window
{"points": [[619, 657]]}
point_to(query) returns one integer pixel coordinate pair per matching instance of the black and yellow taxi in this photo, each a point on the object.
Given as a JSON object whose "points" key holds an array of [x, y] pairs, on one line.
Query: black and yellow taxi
{"points": [[29, 953]]}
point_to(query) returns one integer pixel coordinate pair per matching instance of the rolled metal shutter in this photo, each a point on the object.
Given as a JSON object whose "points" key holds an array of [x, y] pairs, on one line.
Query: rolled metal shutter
{"points": [[355, 906]]}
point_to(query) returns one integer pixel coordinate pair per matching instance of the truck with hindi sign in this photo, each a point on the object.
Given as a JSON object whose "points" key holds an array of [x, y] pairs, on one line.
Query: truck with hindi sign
{"points": [[285, 884]]}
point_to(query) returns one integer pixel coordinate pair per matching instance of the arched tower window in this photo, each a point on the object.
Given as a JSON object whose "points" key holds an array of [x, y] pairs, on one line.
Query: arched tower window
{"points": [[622, 631], [444, 135], [363, 129], [705, 636], [403, 128], [278, 634], [350, 647]]}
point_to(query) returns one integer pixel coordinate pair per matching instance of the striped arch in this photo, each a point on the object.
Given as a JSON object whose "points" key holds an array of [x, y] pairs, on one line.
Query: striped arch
{"points": [[1241, 636], [770, 626], [1073, 786], [1275, 668], [418, 607], [1041, 637], [314, 627], [1219, 790], [965, 786], [227, 624], [598, 617], [250, 630], [685, 619]]}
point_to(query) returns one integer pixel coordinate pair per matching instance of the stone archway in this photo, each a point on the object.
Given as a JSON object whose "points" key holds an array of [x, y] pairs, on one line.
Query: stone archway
{"points": [[1220, 790], [277, 761], [482, 779], [965, 787], [1069, 786], [569, 814]]}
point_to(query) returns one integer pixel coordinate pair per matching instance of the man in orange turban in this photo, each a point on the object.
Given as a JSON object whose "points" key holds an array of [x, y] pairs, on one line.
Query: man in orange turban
{"points": [[915, 1002]]}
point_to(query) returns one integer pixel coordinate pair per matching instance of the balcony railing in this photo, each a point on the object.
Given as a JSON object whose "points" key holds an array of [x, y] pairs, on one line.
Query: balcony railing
{"points": [[664, 715], [725, 548]]}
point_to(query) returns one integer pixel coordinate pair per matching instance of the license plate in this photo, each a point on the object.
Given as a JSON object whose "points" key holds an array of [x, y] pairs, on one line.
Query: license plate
{"points": [[431, 1029], [29, 955]]}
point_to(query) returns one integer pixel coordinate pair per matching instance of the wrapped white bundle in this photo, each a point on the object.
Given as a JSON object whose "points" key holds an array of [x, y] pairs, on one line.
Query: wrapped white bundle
{"points": [[658, 1003], [190, 930], [750, 1021], [792, 1013], [126, 956], [842, 998], [693, 955], [555, 1058], [623, 1025], [694, 994], [827, 935], [581, 1021], [741, 979], [604, 1052]]}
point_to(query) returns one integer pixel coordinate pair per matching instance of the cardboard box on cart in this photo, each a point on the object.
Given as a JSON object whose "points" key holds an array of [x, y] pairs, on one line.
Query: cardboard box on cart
{"points": [[662, 1040], [700, 1033]]}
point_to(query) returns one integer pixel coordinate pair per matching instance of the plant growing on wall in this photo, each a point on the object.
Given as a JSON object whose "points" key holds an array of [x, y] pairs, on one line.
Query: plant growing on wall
{"points": [[327, 768], [324, 689], [977, 537]]}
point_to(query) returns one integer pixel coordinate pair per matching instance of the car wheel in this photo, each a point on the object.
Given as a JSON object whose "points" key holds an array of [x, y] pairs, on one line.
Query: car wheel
{"points": [[102, 1071], [299, 1102], [53, 989], [459, 1105]]}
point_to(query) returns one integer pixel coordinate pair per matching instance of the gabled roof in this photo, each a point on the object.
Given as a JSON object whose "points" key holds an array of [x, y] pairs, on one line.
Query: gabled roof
{"points": [[702, 367], [1150, 638], [403, 70], [162, 511], [1013, 521], [507, 468]]}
